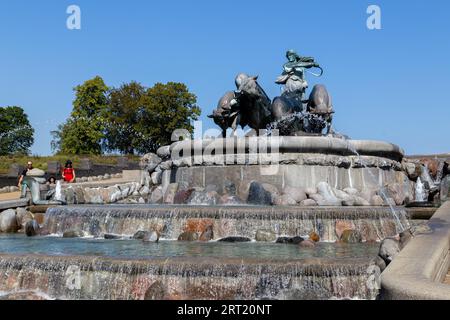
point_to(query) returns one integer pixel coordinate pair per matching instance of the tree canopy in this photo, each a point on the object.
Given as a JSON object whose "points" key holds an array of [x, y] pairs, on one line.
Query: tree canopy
{"points": [[129, 119], [16, 133]]}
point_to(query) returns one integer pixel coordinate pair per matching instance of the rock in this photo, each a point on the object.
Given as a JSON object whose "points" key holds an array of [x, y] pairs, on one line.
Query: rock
{"points": [[265, 236], [307, 244], [156, 196], [156, 178], [208, 234], [164, 152], [405, 237], [396, 192], [351, 236], [329, 199], [212, 188], [32, 228], [140, 235], [284, 200], [23, 216], [377, 201], [157, 291], [229, 188], [111, 236], [389, 248], [171, 191], [308, 203], [367, 194], [360, 202], [235, 239], [182, 196], [351, 191], [151, 237], [341, 194], [35, 173], [314, 237], [421, 229], [92, 196], [380, 263], [290, 240], [297, 194], [149, 162], [188, 236], [13, 189], [203, 198], [432, 165], [144, 191], [311, 191], [341, 226], [445, 188], [107, 176], [412, 170], [73, 234], [258, 195], [228, 200], [8, 221]]}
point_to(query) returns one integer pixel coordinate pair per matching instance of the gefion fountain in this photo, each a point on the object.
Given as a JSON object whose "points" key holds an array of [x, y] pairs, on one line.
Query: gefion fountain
{"points": [[292, 211]]}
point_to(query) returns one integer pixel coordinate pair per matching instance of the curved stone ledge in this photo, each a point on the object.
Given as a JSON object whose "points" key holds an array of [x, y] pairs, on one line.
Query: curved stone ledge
{"points": [[418, 270], [282, 145]]}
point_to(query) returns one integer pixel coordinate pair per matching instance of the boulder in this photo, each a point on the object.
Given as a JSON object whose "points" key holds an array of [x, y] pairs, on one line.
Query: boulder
{"points": [[92, 196], [8, 221], [156, 196], [310, 191], [140, 235], [297, 194], [307, 244], [73, 234], [308, 203], [32, 228], [377, 201], [290, 240], [144, 191], [230, 200], [445, 188], [411, 169], [351, 191], [188, 236], [23, 216], [405, 237], [156, 178], [263, 235], [314, 237], [329, 199], [164, 152], [112, 236], [284, 200], [229, 188], [389, 248], [342, 195], [149, 162], [235, 239], [152, 236], [380, 263], [204, 198], [208, 234], [341, 226], [171, 191], [182, 196], [351, 236], [258, 195]]}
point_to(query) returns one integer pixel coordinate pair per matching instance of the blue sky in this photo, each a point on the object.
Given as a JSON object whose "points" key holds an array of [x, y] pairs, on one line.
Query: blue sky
{"points": [[391, 84]]}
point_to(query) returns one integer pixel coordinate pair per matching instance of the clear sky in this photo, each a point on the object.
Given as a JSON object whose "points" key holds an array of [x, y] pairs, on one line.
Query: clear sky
{"points": [[391, 84]]}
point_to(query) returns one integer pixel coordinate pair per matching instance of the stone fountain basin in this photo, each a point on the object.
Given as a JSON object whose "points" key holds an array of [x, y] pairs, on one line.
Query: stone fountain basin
{"points": [[373, 223], [96, 269]]}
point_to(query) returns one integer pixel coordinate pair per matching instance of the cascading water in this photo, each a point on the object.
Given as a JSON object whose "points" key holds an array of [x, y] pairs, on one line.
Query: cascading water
{"points": [[420, 195], [58, 191]]}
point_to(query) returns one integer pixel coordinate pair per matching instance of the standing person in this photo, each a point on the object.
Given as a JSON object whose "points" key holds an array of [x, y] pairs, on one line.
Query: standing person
{"points": [[23, 188], [68, 173]]}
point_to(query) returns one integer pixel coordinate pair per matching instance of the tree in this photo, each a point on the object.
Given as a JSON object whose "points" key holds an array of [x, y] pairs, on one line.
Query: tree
{"points": [[16, 133], [84, 130], [124, 107], [166, 107]]}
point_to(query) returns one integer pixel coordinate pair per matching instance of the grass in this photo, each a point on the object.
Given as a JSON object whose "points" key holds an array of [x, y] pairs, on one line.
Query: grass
{"points": [[41, 162]]}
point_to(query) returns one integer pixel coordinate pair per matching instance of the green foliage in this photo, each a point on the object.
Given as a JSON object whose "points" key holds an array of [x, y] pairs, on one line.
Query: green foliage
{"points": [[125, 104], [127, 119], [84, 130], [166, 107], [16, 133]]}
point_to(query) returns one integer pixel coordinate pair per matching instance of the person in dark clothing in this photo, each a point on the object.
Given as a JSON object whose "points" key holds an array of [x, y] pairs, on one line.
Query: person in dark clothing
{"points": [[22, 188]]}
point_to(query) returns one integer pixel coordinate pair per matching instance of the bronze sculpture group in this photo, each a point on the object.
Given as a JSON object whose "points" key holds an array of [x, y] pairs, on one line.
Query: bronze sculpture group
{"points": [[289, 113]]}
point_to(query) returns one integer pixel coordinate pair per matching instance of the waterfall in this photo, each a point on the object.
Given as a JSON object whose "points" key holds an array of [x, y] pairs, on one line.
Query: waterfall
{"points": [[58, 193], [421, 195], [374, 223], [89, 278]]}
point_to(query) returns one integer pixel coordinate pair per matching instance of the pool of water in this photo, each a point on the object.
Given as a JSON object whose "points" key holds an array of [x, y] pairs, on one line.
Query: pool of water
{"points": [[135, 249]]}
